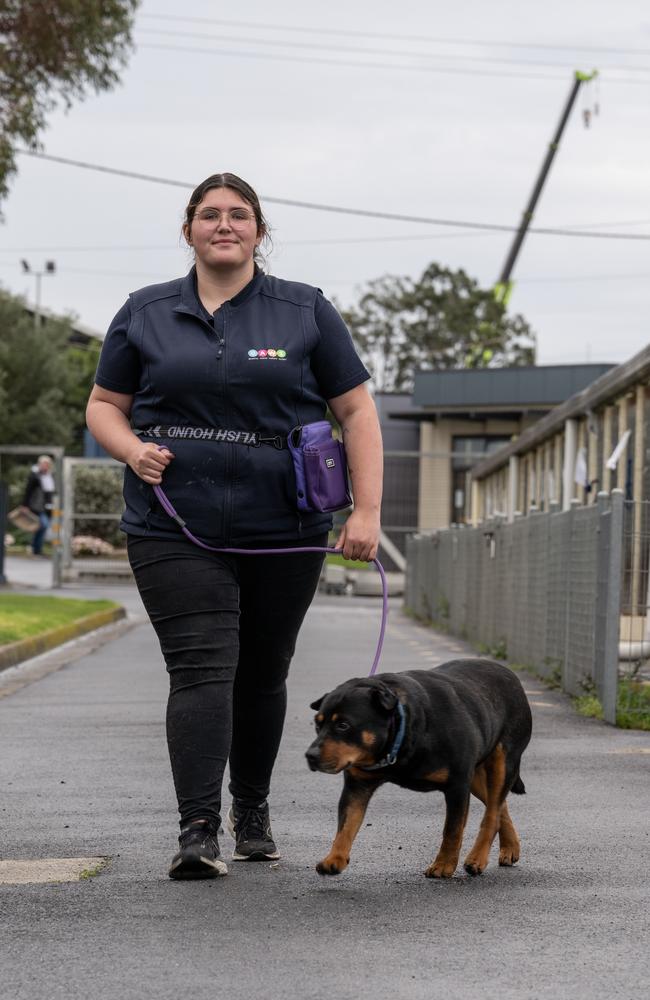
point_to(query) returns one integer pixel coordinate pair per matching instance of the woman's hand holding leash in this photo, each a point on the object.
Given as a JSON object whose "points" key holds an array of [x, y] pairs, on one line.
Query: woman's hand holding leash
{"points": [[359, 538], [149, 462]]}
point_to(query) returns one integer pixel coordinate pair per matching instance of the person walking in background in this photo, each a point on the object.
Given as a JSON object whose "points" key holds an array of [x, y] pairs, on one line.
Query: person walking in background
{"points": [[39, 498], [209, 364]]}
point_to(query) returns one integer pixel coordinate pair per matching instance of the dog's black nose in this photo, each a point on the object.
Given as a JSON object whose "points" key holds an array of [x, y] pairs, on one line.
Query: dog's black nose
{"points": [[313, 758]]}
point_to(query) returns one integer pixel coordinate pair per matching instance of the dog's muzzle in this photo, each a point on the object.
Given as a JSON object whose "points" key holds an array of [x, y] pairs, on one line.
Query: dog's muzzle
{"points": [[313, 757]]}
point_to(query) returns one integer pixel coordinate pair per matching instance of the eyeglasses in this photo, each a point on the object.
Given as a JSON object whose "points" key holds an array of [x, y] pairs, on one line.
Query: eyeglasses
{"points": [[212, 217]]}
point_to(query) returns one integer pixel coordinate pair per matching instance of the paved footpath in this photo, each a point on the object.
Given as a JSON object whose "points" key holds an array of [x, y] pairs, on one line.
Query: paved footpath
{"points": [[84, 772]]}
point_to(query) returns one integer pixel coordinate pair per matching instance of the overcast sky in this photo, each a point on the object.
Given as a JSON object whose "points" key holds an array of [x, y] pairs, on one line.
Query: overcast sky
{"points": [[338, 114]]}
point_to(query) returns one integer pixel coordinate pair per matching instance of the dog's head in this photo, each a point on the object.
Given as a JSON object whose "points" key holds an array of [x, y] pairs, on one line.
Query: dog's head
{"points": [[354, 724]]}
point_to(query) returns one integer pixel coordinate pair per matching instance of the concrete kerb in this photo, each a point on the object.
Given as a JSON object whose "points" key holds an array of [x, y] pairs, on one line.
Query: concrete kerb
{"points": [[26, 649]]}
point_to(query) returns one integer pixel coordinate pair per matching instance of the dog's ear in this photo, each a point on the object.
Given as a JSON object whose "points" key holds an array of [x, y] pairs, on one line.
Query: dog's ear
{"points": [[317, 704], [387, 699]]}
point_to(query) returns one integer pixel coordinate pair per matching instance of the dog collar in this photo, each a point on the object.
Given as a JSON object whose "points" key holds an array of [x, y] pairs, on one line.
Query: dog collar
{"points": [[391, 756]]}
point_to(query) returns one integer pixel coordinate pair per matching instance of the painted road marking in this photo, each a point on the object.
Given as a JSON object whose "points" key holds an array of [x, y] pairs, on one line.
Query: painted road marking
{"points": [[49, 870]]}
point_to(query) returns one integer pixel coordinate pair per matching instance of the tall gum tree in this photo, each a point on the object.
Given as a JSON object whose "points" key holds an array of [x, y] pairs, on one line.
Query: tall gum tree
{"points": [[55, 51]]}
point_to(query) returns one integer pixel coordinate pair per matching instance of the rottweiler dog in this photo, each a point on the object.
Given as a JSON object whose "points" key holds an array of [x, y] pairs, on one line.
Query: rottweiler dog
{"points": [[457, 728]]}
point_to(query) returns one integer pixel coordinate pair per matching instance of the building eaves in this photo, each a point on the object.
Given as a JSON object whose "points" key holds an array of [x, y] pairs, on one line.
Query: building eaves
{"points": [[605, 389]]}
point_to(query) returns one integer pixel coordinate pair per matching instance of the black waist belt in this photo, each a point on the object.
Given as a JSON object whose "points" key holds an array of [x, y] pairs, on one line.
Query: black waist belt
{"points": [[252, 439]]}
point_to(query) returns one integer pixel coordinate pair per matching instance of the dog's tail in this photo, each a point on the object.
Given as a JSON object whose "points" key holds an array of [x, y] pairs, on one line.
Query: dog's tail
{"points": [[518, 787]]}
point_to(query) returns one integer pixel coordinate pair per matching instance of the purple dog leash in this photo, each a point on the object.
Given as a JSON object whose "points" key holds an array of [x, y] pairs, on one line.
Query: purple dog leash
{"points": [[169, 509]]}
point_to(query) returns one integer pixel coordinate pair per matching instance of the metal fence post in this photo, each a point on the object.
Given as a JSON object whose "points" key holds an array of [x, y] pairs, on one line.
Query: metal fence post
{"points": [[57, 554], [67, 506], [613, 609]]}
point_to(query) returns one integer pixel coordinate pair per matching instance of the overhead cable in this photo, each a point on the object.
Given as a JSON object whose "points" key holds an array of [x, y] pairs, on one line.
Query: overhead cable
{"points": [[341, 210]]}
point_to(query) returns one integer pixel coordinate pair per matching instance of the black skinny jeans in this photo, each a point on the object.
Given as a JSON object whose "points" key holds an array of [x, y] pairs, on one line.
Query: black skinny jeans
{"points": [[227, 627]]}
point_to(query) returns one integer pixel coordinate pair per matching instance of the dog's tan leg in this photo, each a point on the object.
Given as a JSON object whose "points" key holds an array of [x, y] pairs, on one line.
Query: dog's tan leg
{"points": [[494, 768], [446, 861], [352, 808], [509, 846]]}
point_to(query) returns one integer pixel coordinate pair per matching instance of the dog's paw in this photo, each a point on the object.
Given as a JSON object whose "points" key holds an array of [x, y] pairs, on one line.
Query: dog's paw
{"points": [[474, 865], [333, 864], [441, 868], [508, 856]]}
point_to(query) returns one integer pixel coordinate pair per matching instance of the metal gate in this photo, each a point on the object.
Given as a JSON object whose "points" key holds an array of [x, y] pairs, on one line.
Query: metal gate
{"points": [[91, 543]]}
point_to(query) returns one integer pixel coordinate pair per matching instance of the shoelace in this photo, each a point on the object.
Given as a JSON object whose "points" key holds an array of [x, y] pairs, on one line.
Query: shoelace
{"points": [[250, 824], [198, 831]]}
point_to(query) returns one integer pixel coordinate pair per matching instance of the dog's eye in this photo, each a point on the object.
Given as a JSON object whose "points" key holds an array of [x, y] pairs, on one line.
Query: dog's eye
{"points": [[341, 727]]}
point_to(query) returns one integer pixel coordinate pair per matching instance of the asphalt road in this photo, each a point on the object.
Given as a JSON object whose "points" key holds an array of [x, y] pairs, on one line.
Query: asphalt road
{"points": [[84, 772]]}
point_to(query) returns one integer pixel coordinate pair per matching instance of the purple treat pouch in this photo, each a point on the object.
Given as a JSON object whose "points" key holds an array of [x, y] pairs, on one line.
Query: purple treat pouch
{"points": [[320, 467]]}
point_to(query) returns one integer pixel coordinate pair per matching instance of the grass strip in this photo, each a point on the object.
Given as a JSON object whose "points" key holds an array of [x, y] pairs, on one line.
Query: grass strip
{"points": [[23, 615]]}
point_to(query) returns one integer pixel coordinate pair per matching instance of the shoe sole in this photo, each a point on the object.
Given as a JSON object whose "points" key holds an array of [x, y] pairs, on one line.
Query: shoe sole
{"points": [[198, 868], [254, 855]]}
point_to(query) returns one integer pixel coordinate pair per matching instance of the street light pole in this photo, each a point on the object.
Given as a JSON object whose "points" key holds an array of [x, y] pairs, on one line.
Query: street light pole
{"points": [[50, 268]]}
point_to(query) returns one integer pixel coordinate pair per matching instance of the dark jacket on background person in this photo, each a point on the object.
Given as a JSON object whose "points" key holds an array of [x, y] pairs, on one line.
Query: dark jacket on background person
{"points": [[35, 497]]}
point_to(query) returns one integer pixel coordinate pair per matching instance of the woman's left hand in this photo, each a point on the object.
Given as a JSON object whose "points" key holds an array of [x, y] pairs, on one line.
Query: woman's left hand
{"points": [[359, 538]]}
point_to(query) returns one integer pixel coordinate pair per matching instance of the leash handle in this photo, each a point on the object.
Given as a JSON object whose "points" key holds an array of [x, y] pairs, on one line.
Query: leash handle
{"points": [[169, 509]]}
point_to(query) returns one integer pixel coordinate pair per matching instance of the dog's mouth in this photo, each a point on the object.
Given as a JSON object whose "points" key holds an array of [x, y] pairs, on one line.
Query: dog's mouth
{"points": [[347, 757], [326, 766]]}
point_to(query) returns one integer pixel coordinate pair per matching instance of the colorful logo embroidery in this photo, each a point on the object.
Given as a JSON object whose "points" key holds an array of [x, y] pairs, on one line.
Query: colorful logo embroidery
{"points": [[264, 353]]}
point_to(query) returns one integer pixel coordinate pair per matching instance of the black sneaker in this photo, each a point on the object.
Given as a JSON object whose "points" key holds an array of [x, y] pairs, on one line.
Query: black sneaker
{"points": [[251, 829], [199, 855]]}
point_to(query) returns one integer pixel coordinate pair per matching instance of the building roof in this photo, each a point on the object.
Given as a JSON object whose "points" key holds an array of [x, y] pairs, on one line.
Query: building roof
{"points": [[611, 385], [80, 332], [544, 385]]}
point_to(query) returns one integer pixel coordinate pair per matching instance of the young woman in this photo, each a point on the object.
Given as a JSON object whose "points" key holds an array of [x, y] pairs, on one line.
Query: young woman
{"points": [[206, 364]]}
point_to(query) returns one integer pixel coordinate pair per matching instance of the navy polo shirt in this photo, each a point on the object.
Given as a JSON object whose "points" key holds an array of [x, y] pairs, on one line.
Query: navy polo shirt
{"points": [[267, 361]]}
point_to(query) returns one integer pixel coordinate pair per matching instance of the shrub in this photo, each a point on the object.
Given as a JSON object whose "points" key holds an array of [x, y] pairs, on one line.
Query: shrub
{"points": [[98, 490]]}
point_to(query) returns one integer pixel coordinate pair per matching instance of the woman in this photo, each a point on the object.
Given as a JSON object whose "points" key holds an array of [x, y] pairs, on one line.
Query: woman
{"points": [[206, 364]]}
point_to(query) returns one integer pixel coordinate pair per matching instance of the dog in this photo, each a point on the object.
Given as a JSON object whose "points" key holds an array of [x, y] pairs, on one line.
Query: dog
{"points": [[459, 728]]}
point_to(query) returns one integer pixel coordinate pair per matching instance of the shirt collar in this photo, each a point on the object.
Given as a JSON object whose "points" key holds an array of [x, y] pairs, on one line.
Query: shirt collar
{"points": [[190, 301]]}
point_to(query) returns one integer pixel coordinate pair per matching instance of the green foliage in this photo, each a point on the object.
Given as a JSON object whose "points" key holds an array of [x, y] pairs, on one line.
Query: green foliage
{"points": [[55, 51], [444, 320], [98, 490], [497, 650], [633, 705], [81, 363], [44, 380]]}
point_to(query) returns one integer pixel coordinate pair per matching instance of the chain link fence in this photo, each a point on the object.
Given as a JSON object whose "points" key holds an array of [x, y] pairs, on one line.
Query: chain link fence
{"points": [[544, 591]]}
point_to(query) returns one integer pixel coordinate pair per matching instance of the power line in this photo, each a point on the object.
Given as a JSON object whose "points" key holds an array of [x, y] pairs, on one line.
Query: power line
{"points": [[368, 51], [393, 36], [542, 279], [318, 60], [364, 213], [335, 241]]}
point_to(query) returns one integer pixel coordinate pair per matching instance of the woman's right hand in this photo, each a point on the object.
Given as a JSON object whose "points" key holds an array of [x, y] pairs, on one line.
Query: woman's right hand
{"points": [[149, 462]]}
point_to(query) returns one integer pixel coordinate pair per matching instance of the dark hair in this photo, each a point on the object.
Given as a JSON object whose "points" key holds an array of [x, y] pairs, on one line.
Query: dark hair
{"points": [[235, 183]]}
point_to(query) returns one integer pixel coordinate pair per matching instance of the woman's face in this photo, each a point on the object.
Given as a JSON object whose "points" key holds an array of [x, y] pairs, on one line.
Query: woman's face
{"points": [[224, 230]]}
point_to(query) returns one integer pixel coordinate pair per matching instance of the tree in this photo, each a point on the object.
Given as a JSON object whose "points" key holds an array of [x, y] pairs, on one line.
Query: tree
{"points": [[444, 320], [54, 49], [38, 382]]}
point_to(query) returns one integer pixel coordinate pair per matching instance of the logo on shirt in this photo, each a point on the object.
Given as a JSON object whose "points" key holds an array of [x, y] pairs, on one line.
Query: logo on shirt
{"points": [[265, 353]]}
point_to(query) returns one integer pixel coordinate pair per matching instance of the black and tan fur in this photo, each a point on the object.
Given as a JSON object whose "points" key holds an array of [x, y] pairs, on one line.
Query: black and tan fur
{"points": [[468, 723]]}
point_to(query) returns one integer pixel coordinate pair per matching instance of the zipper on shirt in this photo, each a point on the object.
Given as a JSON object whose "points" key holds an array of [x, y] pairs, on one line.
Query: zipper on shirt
{"points": [[229, 464]]}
